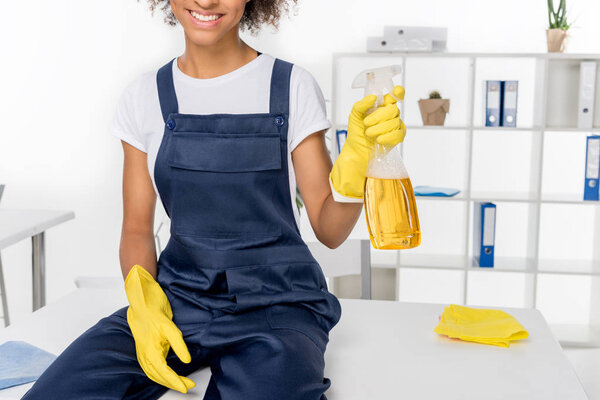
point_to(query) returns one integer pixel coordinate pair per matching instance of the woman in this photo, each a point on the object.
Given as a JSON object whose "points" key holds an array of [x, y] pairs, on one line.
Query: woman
{"points": [[221, 133]]}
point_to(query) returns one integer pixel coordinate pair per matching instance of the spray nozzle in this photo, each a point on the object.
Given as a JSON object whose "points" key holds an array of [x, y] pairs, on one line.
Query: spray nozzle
{"points": [[375, 80]]}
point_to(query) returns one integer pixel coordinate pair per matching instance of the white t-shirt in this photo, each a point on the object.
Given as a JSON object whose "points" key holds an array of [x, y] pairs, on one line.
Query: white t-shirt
{"points": [[138, 118]]}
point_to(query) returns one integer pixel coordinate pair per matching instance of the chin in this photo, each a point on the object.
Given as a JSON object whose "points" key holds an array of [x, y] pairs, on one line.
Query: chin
{"points": [[204, 38]]}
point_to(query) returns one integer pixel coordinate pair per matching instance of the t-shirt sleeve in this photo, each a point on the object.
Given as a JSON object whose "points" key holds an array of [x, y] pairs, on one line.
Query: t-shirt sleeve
{"points": [[307, 107], [126, 122]]}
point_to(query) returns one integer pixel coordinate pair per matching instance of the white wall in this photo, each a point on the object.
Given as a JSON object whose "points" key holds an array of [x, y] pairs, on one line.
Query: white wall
{"points": [[65, 63]]}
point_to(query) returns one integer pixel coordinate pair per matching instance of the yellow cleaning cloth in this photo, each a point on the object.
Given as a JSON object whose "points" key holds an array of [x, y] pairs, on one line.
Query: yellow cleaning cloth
{"points": [[480, 325]]}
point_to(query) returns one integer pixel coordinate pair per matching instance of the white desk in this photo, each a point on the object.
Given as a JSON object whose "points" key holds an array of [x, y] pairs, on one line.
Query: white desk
{"points": [[379, 350], [16, 225]]}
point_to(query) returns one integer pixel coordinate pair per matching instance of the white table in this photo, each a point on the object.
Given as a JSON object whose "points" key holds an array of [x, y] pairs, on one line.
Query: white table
{"points": [[379, 350], [16, 225]]}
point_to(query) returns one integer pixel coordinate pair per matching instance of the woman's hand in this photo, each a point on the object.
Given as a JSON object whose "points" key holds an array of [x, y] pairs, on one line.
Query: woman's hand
{"points": [[150, 319], [383, 126], [331, 219]]}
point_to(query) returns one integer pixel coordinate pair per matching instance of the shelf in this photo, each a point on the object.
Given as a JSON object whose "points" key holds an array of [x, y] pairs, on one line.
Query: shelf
{"points": [[568, 267], [507, 128], [457, 197], [461, 263], [553, 56], [437, 127], [501, 264], [506, 264], [570, 129], [569, 198], [495, 128], [468, 127], [433, 261], [522, 197], [483, 128], [515, 197]]}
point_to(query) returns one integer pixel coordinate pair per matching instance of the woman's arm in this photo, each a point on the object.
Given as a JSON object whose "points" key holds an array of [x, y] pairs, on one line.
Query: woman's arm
{"points": [[139, 201], [331, 221]]}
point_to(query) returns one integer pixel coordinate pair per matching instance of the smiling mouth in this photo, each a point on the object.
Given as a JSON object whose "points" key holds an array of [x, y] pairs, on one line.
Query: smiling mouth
{"points": [[207, 17]]}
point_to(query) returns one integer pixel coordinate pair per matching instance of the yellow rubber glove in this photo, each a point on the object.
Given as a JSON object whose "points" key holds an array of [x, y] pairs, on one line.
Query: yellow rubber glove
{"points": [[347, 177], [486, 326], [151, 321]]}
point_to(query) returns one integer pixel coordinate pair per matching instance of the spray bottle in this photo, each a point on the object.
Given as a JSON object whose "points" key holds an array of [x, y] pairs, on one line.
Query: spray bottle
{"points": [[390, 206]]}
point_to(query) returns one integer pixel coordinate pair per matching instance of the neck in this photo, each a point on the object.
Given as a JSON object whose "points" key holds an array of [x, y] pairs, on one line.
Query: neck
{"points": [[210, 61]]}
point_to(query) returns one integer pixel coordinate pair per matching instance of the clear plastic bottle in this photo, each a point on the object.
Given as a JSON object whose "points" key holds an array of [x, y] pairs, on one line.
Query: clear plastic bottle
{"points": [[390, 205], [389, 199]]}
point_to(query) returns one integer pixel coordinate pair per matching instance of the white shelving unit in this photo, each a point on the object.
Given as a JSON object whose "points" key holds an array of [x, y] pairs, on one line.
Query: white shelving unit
{"points": [[547, 237]]}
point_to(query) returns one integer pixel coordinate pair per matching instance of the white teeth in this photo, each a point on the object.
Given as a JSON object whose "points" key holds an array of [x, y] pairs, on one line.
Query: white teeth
{"points": [[200, 17]]}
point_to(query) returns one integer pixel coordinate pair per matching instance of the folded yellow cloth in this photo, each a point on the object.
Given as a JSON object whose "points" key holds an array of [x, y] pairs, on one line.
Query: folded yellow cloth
{"points": [[486, 326]]}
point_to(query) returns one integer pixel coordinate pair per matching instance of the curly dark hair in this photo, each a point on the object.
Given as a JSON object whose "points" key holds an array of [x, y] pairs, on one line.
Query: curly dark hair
{"points": [[256, 13]]}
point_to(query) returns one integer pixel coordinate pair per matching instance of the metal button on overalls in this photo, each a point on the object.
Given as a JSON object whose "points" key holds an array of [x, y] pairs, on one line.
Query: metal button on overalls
{"points": [[247, 294]]}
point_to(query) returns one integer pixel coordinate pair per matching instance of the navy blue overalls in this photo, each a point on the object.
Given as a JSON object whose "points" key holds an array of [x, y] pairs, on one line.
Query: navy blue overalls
{"points": [[249, 297]]}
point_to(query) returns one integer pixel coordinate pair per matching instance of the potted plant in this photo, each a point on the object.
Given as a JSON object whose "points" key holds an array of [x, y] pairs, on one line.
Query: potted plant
{"points": [[558, 26], [434, 109]]}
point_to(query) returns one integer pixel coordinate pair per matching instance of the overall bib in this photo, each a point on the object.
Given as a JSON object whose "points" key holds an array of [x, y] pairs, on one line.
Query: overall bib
{"points": [[250, 299]]}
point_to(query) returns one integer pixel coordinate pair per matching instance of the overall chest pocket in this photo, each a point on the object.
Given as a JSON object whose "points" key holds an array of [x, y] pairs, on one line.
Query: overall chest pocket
{"points": [[225, 188]]}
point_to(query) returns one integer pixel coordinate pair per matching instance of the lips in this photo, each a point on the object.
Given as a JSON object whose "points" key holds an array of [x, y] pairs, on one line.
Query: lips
{"points": [[205, 18]]}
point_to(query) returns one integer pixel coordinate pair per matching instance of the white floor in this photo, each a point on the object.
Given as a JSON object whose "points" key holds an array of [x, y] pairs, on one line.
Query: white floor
{"points": [[586, 362]]}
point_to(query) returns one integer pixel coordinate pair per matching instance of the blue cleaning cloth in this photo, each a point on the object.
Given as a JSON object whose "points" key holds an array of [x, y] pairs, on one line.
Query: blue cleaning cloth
{"points": [[434, 191], [21, 362]]}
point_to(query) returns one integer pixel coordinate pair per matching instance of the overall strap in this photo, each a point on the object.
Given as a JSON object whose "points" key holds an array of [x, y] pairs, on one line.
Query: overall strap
{"points": [[166, 90], [280, 88]]}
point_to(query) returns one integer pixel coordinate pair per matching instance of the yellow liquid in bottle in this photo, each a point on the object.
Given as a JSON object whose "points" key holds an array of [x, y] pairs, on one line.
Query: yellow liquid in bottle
{"points": [[391, 213]]}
